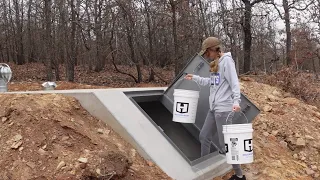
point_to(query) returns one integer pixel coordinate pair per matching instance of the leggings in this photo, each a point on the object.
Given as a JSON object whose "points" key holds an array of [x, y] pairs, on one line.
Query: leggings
{"points": [[211, 132]]}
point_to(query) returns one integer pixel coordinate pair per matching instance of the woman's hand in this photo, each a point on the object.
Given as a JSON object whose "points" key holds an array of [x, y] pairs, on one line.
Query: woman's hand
{"points": [[189, 76], [236, 108]]}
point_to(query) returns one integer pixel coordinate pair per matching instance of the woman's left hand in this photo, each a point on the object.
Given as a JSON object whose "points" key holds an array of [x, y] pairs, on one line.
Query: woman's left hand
{"points": [[236, 108]]}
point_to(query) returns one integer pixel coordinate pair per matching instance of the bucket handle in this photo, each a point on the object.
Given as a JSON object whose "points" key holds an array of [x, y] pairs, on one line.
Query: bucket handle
{"points": [[233, 112], [185, 79], [5, 64]]}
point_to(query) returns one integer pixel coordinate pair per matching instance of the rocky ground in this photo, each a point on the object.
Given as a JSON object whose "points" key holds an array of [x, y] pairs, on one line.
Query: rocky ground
{"points": [[286, 136], [53, 137]]}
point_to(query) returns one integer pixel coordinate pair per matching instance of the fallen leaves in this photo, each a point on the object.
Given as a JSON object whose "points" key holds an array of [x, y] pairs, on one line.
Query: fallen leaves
{"points": [[33, 75]]}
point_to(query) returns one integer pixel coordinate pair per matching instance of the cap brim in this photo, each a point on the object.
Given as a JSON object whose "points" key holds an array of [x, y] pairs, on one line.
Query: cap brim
{"points": [[201, 52]]}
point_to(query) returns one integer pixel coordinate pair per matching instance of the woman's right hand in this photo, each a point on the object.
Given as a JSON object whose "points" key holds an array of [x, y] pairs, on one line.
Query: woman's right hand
{"points": [[189, 76]]}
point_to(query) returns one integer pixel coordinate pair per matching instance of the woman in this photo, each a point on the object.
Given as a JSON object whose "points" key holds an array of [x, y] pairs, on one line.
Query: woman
{"points": [[224, 97]]}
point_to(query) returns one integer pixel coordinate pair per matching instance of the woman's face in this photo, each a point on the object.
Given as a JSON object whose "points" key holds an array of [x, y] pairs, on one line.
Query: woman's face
{"points": [[212, 54]]}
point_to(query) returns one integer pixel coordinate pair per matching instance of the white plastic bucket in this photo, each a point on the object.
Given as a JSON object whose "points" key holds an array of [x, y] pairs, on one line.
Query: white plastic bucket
{"points": [[238, 143], [185, 105]]}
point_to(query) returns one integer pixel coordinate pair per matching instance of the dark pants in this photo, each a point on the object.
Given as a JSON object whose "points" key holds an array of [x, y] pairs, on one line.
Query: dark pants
{"points": [[211, 133]]}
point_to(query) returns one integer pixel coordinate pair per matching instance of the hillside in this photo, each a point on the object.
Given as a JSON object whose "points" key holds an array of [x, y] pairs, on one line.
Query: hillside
{"points": [[286, 135], [53, 137]]}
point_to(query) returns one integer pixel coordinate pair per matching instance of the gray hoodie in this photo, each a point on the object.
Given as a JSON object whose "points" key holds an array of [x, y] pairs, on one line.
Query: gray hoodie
{"points": [[224, 85]]}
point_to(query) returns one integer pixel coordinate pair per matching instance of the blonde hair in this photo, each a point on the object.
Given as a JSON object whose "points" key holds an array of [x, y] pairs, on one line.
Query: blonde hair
{"points": [[214, 65]]}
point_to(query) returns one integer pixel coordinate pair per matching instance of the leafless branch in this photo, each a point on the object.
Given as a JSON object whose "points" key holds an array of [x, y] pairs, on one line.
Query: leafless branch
{"points": [[301, 9], [276, 7], [256, 2]]}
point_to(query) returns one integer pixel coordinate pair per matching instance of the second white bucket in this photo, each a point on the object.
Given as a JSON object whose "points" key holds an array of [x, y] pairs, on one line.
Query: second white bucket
{"points": [[238, 143], [185, 105]]}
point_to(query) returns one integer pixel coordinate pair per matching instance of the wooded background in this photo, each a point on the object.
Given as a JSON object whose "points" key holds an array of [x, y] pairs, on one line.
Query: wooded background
{"points": [[158, 33]]}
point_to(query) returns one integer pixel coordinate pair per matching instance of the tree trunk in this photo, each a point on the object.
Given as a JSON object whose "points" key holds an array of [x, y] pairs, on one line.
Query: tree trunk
{"points": [[98, 33], [71, 59], [131, 45], [127, 9], [55, 59], [151, 55], [19, 36], [31, 55], [78, 32], [288, 31], [48, 46], [7, 30], [231, 35], [90, 63], [203, 18], [247, 37], [233, 40], [113, 50], [12, 27], [173, 5]]}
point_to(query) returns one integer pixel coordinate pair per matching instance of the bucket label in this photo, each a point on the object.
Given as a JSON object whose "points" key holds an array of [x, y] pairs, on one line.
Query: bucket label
{"points": [[234, 149], [182, 107], [248, 145], [215, 79]]}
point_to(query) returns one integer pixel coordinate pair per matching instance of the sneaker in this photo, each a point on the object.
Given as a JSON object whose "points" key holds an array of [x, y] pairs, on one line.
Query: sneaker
{"points": [[235, 177]]}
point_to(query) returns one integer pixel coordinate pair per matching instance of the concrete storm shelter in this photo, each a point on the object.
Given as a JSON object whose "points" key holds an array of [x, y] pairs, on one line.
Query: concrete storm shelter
{"points": [[143, 116]]}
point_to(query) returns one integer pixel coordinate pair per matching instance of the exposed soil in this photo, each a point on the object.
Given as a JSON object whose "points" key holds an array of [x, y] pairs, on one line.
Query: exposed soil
{"points": [[53, 137], [286, 136]]}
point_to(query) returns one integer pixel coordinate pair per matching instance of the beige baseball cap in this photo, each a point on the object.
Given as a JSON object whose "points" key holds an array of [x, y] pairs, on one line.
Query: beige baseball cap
{"points": [[208, 43]]}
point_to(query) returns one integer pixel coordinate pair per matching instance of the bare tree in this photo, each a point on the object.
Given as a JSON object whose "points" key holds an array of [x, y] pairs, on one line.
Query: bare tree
{"points": [[72, 57], [19, 36], [287, 5], [48, 37], [174, 4], [144, 34], [247, 33], [229, 23], [147, 10], [127, 13]]}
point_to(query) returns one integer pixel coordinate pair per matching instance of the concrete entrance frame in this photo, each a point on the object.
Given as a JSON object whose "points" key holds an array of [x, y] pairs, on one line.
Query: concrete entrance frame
{"points": [[128, 121]]}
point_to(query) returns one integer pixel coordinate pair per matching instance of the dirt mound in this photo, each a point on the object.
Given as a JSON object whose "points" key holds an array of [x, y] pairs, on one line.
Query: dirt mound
{"points": [[286, 136], [53, 137], [302, 84]]}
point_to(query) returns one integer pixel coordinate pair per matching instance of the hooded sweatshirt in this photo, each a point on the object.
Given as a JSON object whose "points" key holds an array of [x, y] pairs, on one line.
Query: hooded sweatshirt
{"points": [[224, 85]]}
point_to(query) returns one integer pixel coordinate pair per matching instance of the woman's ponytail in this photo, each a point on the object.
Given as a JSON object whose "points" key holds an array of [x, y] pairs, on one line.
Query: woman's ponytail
{"points": [[214, 65]]}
